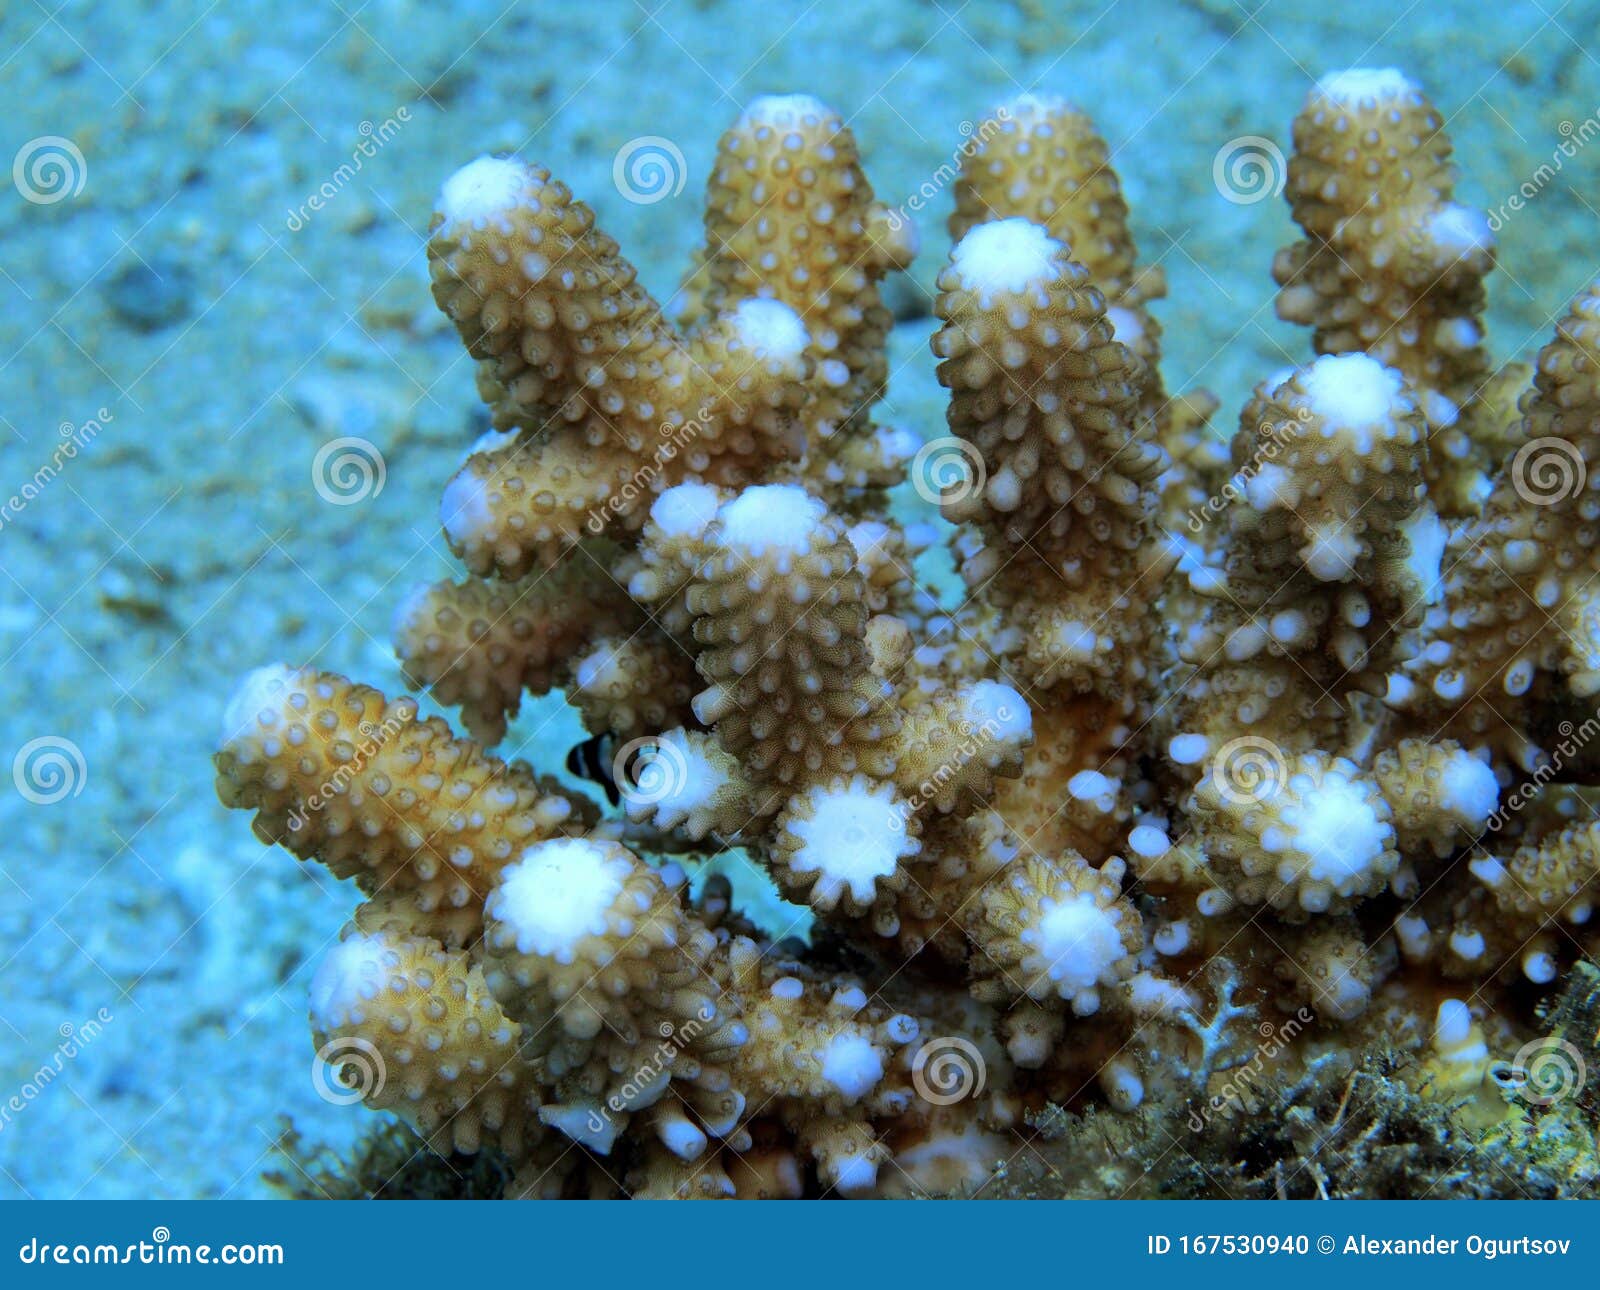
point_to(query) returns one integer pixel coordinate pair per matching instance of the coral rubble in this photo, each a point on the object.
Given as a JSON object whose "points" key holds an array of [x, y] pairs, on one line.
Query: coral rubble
{"points": [[1150, 821]]}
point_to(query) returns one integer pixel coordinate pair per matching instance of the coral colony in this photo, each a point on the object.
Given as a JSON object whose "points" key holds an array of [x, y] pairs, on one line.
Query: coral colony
{"points": [[1167, 770]]}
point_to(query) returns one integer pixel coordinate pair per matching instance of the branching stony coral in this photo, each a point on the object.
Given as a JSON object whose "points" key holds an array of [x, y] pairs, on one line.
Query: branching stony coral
{"points": [[1202, 740]]}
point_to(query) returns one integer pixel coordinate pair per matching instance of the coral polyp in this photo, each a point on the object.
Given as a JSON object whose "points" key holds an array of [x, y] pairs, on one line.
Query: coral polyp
{"points": [[1075, 827]]}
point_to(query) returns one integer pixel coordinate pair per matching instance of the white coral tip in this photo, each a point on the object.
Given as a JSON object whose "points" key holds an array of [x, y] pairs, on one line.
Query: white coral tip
{"points": [[1469, 790], [464, 512], [557, 894], [685, 510], [771, 517], [1005, 255], [999, 710], [1353, 391], [481, 189], [771, 329], [1339, 829], [850, 836], [1357, 83], [262, 691], [851, 1064], [781, 109], [353, 973]]}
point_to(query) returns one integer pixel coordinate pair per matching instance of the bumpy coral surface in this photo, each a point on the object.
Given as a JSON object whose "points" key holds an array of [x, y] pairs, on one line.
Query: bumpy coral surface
{"points": [[1202, 739]]}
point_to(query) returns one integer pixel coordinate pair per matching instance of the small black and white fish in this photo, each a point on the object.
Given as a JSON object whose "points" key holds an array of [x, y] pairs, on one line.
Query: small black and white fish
{"points": [[592, 760]]}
